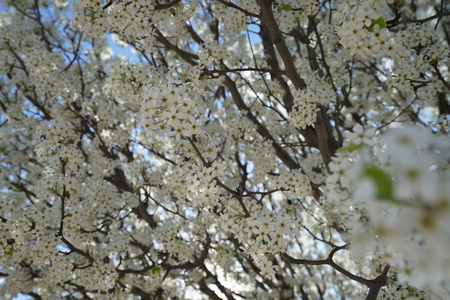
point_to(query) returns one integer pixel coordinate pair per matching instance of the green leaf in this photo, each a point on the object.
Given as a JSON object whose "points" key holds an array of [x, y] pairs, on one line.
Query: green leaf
{"points": [[155, 270], [382, 180], [286, 7], [220, 248], [350, 148], [380, 21], [91, 14], [10, 252], [126, 27]]}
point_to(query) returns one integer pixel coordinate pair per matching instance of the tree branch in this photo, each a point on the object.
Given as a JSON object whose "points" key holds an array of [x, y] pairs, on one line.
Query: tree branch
{"points": [[377, 284], [283, 50]]}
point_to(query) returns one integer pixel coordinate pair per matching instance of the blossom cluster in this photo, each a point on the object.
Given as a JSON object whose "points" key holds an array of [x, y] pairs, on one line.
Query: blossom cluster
{"points": [[191, 163], [170, 109], [263, 235], [362, 26], [400, 203], [132, 19]]}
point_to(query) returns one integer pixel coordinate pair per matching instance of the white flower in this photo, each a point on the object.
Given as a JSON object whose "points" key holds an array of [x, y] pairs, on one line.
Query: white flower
{"points": [[359, 136]]}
